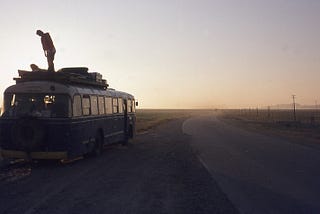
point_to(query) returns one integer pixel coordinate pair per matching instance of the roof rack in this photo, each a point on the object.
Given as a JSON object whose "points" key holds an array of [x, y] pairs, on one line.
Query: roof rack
{"points": [[74, 76]]}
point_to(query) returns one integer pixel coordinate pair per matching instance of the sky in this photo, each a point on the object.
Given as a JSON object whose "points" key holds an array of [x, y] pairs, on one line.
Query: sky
{"points": [[175, 53]]}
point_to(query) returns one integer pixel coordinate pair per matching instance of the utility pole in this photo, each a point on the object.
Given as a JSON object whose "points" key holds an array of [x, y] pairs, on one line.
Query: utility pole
{"points": [[316, 109], [294, 107]]}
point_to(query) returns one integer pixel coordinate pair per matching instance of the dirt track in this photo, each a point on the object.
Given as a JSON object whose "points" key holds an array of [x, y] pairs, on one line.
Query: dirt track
{"points": [[157, 173]]}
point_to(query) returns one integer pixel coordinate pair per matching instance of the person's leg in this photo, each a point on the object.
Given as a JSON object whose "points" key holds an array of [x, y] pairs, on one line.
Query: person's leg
{"points": [[50, 58]]}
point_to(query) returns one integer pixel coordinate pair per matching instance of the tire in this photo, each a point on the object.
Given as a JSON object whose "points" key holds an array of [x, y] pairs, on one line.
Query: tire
{"points": [[98, 146], [28, 134], [128, 136], [131, 134], [125, 141]]}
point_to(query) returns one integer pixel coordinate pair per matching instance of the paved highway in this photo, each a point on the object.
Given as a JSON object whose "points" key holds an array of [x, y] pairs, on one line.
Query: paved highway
{"points": [[258, 173]]}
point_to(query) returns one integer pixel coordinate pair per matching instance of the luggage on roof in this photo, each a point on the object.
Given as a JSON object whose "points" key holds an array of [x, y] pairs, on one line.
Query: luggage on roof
{"points": [[74, 75]]}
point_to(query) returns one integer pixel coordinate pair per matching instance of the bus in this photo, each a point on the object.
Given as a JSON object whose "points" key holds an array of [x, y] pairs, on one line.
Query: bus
{"points": [[63, 115]]}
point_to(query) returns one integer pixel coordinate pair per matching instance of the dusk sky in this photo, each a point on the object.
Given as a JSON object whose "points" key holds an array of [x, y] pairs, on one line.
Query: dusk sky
{"points": [[175, 54]]}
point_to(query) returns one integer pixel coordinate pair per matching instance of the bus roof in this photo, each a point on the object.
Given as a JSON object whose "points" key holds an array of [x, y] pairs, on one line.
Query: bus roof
{"points": [[51, 87], [71, 81]]}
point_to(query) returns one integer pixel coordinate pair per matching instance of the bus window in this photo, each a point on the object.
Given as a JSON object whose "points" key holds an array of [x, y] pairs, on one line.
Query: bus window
{"points": [[36, 105], [57, 106], [133, 106], [108, 105], [129, 103], [86, 105], [120, 106], [77, 111], [101, 105], [115, 105], [8, 105], [94, 105]]}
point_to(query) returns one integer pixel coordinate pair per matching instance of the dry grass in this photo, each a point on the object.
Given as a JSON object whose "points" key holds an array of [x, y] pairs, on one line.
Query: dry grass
{"points": [[281, 122], [149, 118]]}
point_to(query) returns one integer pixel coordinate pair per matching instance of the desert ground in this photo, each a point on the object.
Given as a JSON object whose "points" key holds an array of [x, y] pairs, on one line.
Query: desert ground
{"points": [[157, 172], [181, 161]]}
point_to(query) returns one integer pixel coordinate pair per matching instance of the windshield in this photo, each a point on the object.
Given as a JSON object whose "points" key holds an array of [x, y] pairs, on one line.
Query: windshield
{"points": [[36, 105]]}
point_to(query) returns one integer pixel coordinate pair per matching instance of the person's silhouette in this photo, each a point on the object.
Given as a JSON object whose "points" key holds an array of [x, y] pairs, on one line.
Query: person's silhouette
{"points": [[48, 48]]}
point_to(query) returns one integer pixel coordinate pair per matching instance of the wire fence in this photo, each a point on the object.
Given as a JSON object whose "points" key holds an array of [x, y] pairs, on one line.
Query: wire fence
{"points": [[303, 116]]}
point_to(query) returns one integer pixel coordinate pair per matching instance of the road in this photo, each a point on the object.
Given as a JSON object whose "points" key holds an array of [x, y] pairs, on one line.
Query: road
{"points": [[258, 173], [198, 165], [157, 173]]}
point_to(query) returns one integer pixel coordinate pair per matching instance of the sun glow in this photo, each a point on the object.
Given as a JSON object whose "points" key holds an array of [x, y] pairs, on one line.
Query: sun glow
{"points": [[198, 55]]}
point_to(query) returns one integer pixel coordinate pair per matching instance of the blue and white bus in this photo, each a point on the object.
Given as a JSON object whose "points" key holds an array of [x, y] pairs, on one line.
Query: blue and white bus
{"points": [[63, 115]]}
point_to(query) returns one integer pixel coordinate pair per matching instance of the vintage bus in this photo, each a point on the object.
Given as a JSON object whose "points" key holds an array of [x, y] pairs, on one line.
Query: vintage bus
{"points": [[63, 115]]}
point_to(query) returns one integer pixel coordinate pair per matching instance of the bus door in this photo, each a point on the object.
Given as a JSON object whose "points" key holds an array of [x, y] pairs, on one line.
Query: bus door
{"points": [[125, 113]]}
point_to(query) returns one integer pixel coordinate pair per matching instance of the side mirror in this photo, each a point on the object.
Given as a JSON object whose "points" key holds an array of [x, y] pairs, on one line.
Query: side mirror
{"points": [[137, 103]]}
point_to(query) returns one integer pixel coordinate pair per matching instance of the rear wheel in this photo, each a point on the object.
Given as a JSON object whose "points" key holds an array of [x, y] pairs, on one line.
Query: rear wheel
{"points": [[97, 146]]}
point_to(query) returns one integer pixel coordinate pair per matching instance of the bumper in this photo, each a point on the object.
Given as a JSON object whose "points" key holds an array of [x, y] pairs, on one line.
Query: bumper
{"points": [[33, 155]]}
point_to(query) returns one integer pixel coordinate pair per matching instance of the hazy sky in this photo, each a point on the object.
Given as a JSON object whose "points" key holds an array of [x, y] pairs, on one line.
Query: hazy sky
{"points": [[175, 54]]}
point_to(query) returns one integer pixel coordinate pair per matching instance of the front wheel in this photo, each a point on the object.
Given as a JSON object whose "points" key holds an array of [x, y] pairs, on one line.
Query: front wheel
{"points": [[125, 141], [127, 136]]}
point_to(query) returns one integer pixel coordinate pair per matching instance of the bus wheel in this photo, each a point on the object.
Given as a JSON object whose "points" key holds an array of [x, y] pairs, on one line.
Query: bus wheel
{"points": [[28, 134], [128, 136], [125, 141], [130, 132], [97, 147]]}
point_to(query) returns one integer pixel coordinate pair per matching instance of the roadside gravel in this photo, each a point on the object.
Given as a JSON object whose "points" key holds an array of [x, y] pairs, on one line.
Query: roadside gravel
{"points": [[157, 173]]}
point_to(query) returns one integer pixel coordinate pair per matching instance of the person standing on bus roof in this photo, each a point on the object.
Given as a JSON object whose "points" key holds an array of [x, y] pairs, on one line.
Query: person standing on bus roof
{"points": [[48, 48]]}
